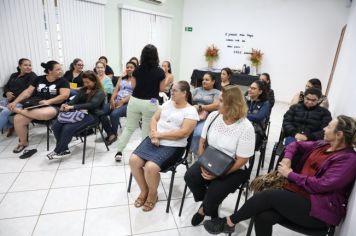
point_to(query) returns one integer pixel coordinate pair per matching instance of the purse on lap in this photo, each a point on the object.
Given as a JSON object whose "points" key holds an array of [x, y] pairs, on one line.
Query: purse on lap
{"points": [[69, 117], [213, 160]]}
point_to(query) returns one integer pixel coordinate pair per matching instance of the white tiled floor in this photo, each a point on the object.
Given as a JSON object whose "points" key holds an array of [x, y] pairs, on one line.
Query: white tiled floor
{"points": [[41, 197]]}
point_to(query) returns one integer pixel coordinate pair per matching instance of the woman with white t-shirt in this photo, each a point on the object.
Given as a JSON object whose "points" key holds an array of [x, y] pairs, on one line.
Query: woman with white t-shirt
{"points": [[169, 130], [232, 133]]}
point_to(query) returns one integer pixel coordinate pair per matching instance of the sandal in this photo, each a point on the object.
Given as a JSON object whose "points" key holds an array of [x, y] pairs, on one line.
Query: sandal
{"points": [[139, 202], [148, 206], [19, 148], [28, 153]]}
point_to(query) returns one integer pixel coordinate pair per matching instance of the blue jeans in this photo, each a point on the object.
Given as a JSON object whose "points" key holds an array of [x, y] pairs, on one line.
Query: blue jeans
{"points": [[196, 136], [288, 140], [115, 116], [65, 132], [4, 117]]}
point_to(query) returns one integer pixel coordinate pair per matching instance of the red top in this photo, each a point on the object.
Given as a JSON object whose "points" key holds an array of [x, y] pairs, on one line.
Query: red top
{"points": [[311, 166]]}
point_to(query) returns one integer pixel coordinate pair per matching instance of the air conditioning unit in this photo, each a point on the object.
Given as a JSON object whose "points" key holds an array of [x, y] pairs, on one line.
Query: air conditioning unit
{"points": [[157, 2]]}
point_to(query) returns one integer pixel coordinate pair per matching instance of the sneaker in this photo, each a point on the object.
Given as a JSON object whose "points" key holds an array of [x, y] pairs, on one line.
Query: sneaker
{"points": [[217, 226], [61, 155], [50, 155], [118, 156]]}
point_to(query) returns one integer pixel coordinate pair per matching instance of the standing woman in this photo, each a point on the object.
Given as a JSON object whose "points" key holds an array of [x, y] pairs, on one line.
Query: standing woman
{"points": [[17, 83], [74, 76], [104, 79], [225, 77], [166, 66], [90, 98], [49, 90], [149, 80]]}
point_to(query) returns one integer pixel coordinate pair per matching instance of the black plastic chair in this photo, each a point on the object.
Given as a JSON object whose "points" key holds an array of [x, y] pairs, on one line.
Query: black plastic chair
{"points": [[327, 231], [83, 133], [263, 148], [172, 168], [278, 150], [244, 186]]}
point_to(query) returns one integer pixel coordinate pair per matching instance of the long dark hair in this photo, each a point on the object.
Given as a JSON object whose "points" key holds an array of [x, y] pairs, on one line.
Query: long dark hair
{"points": [[49, 66], [21, 61], [75, 61], [129, 63], [185, 87], [169, 66], [261, 86], [93, 77], [268, 85], [228, 72], [149, 56]]}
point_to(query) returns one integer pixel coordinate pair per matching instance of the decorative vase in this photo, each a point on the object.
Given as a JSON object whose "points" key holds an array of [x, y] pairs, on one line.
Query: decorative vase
{"points": [[257, 69]]}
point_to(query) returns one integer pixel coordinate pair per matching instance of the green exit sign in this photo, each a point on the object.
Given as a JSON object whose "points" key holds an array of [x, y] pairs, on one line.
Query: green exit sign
{"points": [[188, 29]]}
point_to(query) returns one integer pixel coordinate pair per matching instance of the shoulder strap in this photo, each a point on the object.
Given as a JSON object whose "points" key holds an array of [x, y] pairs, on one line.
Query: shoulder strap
{"points": [[209, 127]]}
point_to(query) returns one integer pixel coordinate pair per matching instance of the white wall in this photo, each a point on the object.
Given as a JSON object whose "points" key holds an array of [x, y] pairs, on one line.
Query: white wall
{"points": [[299, 37], [342, 99], [113, 34]]}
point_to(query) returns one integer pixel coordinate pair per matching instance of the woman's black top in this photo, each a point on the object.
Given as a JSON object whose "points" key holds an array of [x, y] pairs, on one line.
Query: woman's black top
{"points": [[48, 90], [148, 82], [78, 80], [17, 84]]}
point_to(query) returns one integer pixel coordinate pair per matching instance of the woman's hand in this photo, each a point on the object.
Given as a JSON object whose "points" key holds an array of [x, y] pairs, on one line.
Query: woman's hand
{"points": [[12, 106], [300, 137], [155, 141], [10, 96], [284, 170], [206, 175]]}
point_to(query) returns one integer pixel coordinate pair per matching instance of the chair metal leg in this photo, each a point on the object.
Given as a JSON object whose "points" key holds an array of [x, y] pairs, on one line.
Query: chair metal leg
{"points": [[102, 136], [273, 157], [85, 145], [130, 181], [238, 198], [47, 136], [183, 198], [170, 191], [250, 226], [259, 164]]}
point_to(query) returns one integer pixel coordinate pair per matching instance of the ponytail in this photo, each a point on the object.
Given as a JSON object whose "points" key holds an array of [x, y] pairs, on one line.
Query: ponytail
{"points": [[48, 66]]}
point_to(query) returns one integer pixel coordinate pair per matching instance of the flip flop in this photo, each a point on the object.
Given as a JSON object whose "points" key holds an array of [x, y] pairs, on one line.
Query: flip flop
{"points": [[139, 202], [19, 148], [28, 153]]}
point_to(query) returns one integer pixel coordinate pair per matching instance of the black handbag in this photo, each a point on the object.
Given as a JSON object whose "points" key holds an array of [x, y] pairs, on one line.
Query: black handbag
{"points": [[213, 160]]}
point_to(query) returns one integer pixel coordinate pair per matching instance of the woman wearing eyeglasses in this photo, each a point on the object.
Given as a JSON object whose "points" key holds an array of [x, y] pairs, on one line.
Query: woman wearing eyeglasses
{"points": [[74, 76]]}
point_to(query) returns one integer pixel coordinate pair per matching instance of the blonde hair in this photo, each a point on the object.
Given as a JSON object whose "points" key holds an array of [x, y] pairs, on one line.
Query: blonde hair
{"points": [[234, 102]]}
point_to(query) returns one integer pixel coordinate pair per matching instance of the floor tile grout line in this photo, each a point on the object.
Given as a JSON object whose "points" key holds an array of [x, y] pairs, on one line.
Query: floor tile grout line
{"points": [[127, 194], [91, 173]]}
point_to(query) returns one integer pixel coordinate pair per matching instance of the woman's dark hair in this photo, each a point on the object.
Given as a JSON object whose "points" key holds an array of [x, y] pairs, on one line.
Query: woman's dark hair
{"points": [[135, 60], [103, 57], [93, 77], [268, 85], [347, 125], [21, 61], [185, 87], [261, 86], [315, 82], [228, 72], [75, 61], [149, 56], [212, 77], [169, 66], [313, 91], [129, 63], [49, 66]]}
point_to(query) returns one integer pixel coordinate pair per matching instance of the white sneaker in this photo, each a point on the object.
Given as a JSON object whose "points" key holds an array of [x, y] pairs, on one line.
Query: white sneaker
{"points": [[118, 156], [50, 155]]}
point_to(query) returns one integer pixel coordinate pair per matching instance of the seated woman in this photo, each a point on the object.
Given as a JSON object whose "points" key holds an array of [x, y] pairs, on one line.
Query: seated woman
{"points": [[107, 69], [232, 133], [166, 66], [170, 128], [312, 83], [118, 104], [49, 91], [74, 76], [16, 84], [205, 100], [104, 79], [317, 193], [225, 77], [90, 99], [258, 109], [270, 93]]}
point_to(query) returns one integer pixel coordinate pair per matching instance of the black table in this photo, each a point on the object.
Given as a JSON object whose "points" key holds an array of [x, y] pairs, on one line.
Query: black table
{"points": [[240, 79]]}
